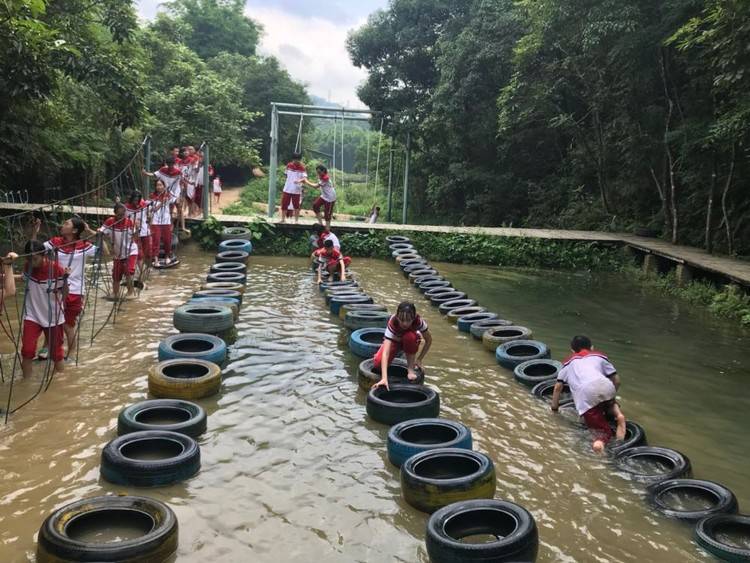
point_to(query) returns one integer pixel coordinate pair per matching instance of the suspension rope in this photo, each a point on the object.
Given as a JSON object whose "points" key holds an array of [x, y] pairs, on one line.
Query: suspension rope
{"points": [[298, 144], [377, 164]]}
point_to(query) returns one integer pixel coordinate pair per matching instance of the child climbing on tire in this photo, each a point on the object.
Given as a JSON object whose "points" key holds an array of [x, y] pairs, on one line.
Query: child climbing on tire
{"points": [[332, 260], [404, 332], [593, 382]]}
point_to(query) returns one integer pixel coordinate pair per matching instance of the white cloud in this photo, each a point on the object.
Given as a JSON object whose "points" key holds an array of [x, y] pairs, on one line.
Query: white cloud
{"points": [[313, 50]]}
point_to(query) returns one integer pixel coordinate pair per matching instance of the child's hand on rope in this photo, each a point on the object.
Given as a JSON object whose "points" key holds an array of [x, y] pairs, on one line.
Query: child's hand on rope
{"points": [[10, 258]]}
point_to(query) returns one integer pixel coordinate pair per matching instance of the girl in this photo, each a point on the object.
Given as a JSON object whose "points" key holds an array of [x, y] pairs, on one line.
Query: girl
{"points": [[404, 331], [171, 175], [72, 252], [121, 231], [296, 173], [327, 198], [161, 222], [216, 187], [330, 259], [137, 212]]}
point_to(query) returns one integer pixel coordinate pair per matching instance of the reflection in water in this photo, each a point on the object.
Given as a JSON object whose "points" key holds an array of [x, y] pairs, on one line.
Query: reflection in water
{"points": [[292, 470]]}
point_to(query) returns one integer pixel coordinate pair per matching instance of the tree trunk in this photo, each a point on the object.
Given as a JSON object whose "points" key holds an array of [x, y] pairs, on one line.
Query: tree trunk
{"points": [[709, 241]]}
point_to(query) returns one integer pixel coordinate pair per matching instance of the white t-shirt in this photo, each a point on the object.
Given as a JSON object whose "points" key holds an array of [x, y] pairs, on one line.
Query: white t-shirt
{"points": [[72, 255], [121, 233], [171, 182], [139, 216], [292, 177], [335, 239], [327, 191], [44, 296], [217, 186], [160, 206], [588, 378]]}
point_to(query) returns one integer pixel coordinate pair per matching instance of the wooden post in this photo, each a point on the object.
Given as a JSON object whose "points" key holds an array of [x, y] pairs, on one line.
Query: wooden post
{"points": [[684, 274], [650, 264]]}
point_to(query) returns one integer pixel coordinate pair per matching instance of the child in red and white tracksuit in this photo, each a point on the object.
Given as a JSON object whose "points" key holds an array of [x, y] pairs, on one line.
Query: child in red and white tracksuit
{"points": [[327, 198], [331, 259], [161, 222], [121, 231], [137, 211], [404, 332], [46, 290], [292, 193]]}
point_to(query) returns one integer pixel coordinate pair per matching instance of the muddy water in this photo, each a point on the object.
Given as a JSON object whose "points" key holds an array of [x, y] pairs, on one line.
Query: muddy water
{"points": [[293, 470]]}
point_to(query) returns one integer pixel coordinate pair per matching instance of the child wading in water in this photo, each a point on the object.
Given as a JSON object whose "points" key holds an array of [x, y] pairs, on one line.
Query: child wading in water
{"points": [[404, 332], [327, 198], [161, 201], [331, 259], [296, 173], [121, 231], [593, 382]]}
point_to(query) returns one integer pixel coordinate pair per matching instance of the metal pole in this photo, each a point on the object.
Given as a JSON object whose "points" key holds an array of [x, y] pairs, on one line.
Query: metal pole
{"points": [[206, 179], [406, 178], [274, 158], [390, 184], [146, 163], [342, 149], [303, 107]]}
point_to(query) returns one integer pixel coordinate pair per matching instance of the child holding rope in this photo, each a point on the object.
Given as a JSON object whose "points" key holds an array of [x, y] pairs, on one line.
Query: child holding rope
{"points": [[161, 222], [295, 174], [137, 211], [404, 332], [121, 231], [327, 198], [46, 291]]}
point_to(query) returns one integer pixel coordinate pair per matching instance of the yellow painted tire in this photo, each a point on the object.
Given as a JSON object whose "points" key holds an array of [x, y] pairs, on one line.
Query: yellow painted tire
{"points": [[225, 285], [184, 379], [496, 336]]}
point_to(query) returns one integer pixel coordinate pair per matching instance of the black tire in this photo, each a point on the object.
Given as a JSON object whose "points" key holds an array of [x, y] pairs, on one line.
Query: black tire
{"points": [[397, 374], [349, 307], [721, 498], [337, 301], [494, 337], [676, 464], [440, 290], [406, 439], [454, 295], [465, 321], [420, 273], [426, 286], [543, 391], [329, 285], [708, 534], [57, 536], [232, 256], [413, 262], [355, 320], [409, 268], [412, 256], [395, 239], [194, 346], [215, 292], [172, 415], [460, 312], [514, 529], [124, 459], [436, 478], [236, 267], [234, 277], [207, 319], [423, 279], [402, 402], [635, 436], [478, 328], [236, 233], [516, 352], [532, 372], [400, 246], [459, 303]]}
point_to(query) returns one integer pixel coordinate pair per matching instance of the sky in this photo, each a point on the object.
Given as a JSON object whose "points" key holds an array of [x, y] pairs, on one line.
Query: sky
{"points": [[308, 37]]}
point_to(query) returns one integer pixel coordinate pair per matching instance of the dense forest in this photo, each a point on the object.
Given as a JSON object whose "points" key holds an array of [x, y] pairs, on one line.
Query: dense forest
{"points": [[83, 82], [594, 114]]}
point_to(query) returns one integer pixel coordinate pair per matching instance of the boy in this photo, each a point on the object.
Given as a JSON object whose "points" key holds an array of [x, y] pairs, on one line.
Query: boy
{"points": [[330, 258], [323, 234], [593, 383], [327, 198], [121, 231], [295, 174], [404, 331], [46, 291]]}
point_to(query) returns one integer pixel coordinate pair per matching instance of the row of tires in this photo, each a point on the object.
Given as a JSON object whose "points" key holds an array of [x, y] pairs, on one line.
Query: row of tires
{"points": [[157, 443], [665, 472]]}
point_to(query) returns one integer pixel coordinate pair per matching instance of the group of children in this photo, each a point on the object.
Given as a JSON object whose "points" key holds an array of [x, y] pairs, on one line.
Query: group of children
{"points": [[291, 196]]}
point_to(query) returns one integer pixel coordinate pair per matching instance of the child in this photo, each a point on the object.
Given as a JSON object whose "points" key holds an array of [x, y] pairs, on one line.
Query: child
{"points": [[137, 211], [72, 253], [590, 378], [171, 175], [121, 231], [161, 222], [327, 198], [46, 292], [216, 187], [330, 258], [322, 234], [295, 174], [404, 331], [374, 214]]}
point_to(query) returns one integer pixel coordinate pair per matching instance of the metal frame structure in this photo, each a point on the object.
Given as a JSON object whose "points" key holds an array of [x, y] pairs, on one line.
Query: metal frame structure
{"points": [[345, 114]]}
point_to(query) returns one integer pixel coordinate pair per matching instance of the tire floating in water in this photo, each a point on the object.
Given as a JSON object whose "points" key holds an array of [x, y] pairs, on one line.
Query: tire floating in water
{"points": [[544, 391], [236, 233], [494, 337], [231, 286], [233, 277], [532, 372], [330, 285], [651, 464], [236, 244], [402, 402], [194, 346], [337, 302], [172, 415], [465, 322], [420, 273], [516, 352], [673, 498], [478, 328], [713, 534], [395, 239], [220, 292], [635, 436], [218, 302], [440, 290], [446, 306], [240, 256], [236, 267], [184, 379], [208, 319], [445, 297], [355, 320], [406, 439], [397, 374], [454, 314], [365, 342], [349, 307], [401, 257]]}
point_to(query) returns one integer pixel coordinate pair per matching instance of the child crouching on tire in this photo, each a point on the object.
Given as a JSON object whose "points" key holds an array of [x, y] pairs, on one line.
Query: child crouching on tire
{"points": [[404, 332], [593, 382], [332, 260]]}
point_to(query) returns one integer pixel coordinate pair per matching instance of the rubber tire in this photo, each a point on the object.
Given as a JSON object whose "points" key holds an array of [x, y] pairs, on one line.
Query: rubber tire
{"points": [[726, 502], [230, 286], [635, 436], [429, 494], [424, 287], [237, 267], [401, 257], [400, 246], [218, 302], [409, 268], [403, 252], [329, 285], [494, 337], [236, 233], [348, 307], [550, 368], [55, 546], [366, 348], [356, 292], [400, 449], [458, 303], [164, 386], [705, 536], [519, 545], [397, 375], [505, 357], [366, 319], [455, 314], [214, 321], [395, 239], [681, 464], [337, 302], [420, 273], [121, 470], [421, 261], [478, 328], [194, 426], [454, 295], [441, 290], [234, 277], [465, 322], [232, 256], [219, 292], [543, 391], [381, 408], [236, 244], [424, 279], [215, 348]]}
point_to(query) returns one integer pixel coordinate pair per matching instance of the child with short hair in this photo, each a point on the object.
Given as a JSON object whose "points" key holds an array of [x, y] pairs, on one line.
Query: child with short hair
{"points": [[404, 332], [121, 231], [322, 234], [137, 211], [46, 291], [593, 383], [161, 201], [331, 259], [327, 198], [296, 173]]}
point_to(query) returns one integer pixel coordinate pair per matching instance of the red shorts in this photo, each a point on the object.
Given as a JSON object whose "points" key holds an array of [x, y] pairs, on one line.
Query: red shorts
{"points": [[326, 205], [409, 344], [198, 196], [333, 265], [597, 421], [54, 335], [121, 267], [72, 308], [286, 198]]}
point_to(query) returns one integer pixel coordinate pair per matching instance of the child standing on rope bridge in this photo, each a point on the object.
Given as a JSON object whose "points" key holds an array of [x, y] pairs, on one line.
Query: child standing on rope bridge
{"points": [[161, 222], [121, 231], [404, 332], [295, 174], [137, 211], [327, 198], [43, 311], [593, 382], [331, 259]]}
